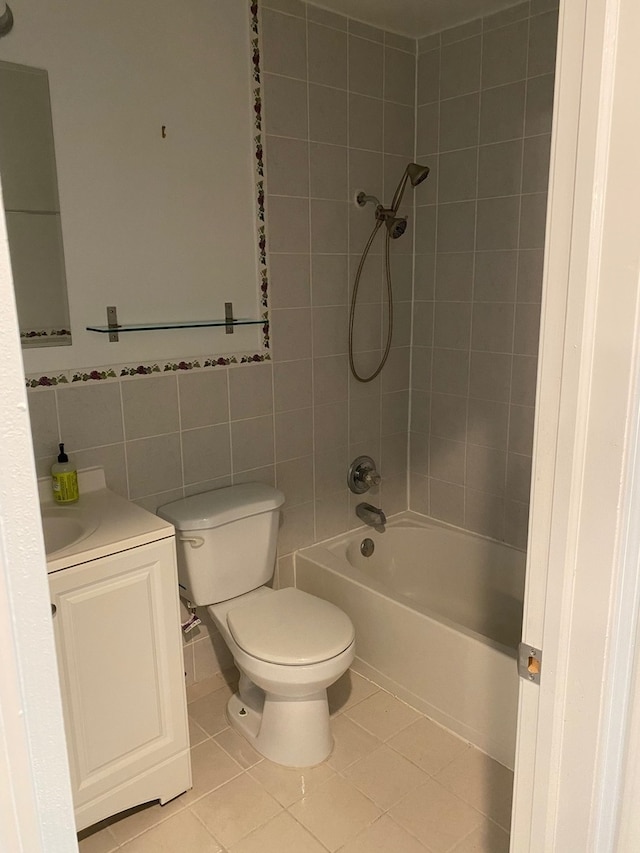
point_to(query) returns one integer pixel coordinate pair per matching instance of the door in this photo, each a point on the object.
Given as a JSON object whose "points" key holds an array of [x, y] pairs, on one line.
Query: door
{"points": [[119, 659], [582, 581]]}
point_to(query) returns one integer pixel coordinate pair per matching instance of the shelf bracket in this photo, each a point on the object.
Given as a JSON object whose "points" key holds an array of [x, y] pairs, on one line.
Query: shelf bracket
{"points": [[228, 316], [112, 323]]}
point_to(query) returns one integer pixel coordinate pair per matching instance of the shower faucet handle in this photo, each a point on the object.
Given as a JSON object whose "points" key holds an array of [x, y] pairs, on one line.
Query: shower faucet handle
{"points": [[362, 475]]}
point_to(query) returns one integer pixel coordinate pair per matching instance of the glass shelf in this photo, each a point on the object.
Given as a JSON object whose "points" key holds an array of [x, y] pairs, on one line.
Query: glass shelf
{"points": [[181, 324]]}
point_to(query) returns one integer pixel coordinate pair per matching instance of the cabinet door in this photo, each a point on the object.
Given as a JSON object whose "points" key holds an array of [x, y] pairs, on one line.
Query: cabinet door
{"points": [[116, 625]]}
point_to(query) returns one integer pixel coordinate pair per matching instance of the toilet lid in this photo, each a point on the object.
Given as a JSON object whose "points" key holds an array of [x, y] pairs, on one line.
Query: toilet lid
{"points": [[291, 627]]}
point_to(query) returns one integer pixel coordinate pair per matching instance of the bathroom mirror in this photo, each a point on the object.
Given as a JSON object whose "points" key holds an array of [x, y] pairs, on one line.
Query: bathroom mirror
{"points": [[153, 110], [32, 208]]}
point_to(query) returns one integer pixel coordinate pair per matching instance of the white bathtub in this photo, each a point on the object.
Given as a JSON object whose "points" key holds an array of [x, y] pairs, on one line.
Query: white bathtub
{"points": [[438, 614]]}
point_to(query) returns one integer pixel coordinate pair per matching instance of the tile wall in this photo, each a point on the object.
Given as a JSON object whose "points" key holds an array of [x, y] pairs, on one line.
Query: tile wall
{"points": [[485, 100], [339, 117]]}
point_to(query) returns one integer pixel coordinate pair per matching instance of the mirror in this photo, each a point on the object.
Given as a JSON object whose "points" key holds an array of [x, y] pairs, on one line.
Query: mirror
{"points": [[32, 208], [152, 109]]}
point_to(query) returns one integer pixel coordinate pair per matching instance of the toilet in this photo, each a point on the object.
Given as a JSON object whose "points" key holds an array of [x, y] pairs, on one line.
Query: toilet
{"points": [[289, 646]]}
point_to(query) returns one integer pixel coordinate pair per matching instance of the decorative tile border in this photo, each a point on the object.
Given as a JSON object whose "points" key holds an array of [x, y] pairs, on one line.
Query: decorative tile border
{"points": [[104, 373], [35, 381], [35, 334]]}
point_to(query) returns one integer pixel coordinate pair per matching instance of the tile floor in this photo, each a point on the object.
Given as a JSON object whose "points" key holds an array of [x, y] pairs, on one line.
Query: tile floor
{"points": [[395, 783]]}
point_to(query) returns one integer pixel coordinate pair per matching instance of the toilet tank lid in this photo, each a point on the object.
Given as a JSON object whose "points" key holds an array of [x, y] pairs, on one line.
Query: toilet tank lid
{"points": [[218, 507]]}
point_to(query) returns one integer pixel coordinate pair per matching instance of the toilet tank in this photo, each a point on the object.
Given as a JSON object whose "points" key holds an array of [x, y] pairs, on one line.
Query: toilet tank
{"points": [[226, 540]]}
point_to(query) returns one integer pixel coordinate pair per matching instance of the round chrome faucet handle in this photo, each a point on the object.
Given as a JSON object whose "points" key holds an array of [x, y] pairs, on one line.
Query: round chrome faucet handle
{"points": [[362, 475]]}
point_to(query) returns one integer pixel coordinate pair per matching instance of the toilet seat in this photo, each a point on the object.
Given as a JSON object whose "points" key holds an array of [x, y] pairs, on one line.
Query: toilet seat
{"points": [[290, 627]]}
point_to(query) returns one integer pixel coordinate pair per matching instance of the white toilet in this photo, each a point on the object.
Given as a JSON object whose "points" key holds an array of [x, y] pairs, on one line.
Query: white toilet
{"points": [[288, 645]]}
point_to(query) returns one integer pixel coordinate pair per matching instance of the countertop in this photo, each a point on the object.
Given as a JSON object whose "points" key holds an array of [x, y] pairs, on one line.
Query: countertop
{"points": [[120, 524]]}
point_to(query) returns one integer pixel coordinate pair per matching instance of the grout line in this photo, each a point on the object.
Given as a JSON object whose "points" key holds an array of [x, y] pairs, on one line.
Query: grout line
{"points": [[416, 80], [311, 283], [180, 435], [124, 443]]}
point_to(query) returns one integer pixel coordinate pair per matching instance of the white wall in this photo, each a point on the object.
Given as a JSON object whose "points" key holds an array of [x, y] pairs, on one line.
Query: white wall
{"points": [[163, 228], [35, 796]]}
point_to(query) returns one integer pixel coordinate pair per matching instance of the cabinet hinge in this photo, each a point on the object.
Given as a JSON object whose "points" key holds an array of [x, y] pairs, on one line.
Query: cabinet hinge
{"points": [[529, 662]]}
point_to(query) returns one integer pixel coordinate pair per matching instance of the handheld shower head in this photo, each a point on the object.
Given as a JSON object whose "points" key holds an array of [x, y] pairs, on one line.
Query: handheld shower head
{"points": [[417, 173], [6, 19], [414, 173]]}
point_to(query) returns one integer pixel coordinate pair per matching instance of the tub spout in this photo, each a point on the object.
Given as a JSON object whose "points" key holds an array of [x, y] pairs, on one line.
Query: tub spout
{"points": [[371, 515]]}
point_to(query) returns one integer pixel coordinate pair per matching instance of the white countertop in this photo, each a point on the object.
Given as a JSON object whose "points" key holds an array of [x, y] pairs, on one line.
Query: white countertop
{"points": [[120, 524]]}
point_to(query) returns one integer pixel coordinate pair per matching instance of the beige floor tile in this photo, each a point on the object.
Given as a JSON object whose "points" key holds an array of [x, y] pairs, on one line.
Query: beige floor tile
{"points": [[335, 813], [348, 690], [181, 832], [209, 712], [196, 734], [99, 841], [436, 817], [133, 822], [236, 809], [210, 767], [487, 838], [384, 836], [288, 784], [227, 680], [283, 833], [382, 714], [481, 782], [385, 776], [351, 742], [428, 745], [238, 748]]}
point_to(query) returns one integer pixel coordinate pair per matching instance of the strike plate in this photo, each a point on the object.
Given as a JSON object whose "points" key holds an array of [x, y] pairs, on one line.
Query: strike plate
{"points": [[529, 663]]}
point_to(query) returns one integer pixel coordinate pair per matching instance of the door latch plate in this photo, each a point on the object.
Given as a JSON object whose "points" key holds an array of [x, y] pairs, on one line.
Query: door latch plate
{"points": [[529, 663]]}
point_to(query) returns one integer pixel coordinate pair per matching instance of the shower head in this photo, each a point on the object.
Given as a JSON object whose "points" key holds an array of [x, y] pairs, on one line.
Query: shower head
{"points": [[417, 173], [396, 226], [6, 19], [414, 173]]}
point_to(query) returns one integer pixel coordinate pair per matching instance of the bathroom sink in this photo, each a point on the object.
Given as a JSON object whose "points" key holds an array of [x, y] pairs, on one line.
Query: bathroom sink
{"points": [[64, 527]]}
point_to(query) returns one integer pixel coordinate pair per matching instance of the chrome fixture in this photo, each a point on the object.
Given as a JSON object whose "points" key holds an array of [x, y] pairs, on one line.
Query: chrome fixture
{"points": [[372, 515], [367, 547], [362, 475], [396, 226], [6, 20]]}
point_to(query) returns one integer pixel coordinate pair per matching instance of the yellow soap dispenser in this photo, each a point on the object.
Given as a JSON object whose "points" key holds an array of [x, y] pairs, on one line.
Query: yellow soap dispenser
{"points": [[64, 480]]}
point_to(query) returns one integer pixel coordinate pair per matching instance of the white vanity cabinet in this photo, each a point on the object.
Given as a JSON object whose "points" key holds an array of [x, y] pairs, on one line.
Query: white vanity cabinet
{"points": [[119, 651]]}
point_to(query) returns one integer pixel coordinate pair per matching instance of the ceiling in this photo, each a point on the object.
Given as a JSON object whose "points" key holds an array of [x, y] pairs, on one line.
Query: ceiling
{"points": [[414, 18]]}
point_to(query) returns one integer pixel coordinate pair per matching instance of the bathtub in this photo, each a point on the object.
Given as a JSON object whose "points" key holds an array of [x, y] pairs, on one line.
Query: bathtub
{"points": [[438, 617]]}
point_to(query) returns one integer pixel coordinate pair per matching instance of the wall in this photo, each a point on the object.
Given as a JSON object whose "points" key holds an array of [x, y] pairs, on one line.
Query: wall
{"points": [[485, 99], [36, 810], [339, 116], [163, 226]]}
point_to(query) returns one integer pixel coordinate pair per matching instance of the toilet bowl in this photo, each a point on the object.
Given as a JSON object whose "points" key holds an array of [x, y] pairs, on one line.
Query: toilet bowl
{"points": [[281, 707], [289, 646]]}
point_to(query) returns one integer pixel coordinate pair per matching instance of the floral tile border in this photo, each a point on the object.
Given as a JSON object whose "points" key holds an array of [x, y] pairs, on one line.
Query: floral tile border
{"points": [[127, 371], [106, 373]]}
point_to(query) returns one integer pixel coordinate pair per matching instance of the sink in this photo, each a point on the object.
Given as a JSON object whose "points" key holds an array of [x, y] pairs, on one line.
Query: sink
{"points": [[64, 527]]}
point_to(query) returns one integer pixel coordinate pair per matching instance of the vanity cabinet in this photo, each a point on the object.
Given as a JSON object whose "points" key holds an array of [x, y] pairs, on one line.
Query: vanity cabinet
{"points": [[119, 650]]}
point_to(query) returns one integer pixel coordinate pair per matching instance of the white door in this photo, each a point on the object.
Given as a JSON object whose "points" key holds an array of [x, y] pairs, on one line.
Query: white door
{"points": [[120, 666], [582, 585]]}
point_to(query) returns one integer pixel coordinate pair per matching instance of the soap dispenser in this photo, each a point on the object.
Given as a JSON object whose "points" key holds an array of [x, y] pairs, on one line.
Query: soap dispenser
{"points": [[64, 479]]}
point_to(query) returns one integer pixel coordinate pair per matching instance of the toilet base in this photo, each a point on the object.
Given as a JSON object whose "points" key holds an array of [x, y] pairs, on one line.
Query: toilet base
{"points": [[294, 733]]}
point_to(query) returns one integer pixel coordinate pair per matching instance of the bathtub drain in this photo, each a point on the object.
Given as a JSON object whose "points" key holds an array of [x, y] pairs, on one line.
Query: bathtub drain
{"points": [[367, 547]]}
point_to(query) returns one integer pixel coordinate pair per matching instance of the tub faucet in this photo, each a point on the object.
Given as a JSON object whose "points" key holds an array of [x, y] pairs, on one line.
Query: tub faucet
{"points": [[372, 516]]}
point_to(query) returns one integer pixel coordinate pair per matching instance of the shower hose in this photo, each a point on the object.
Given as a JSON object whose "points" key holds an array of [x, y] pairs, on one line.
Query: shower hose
{"points": [[354, 299]]}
